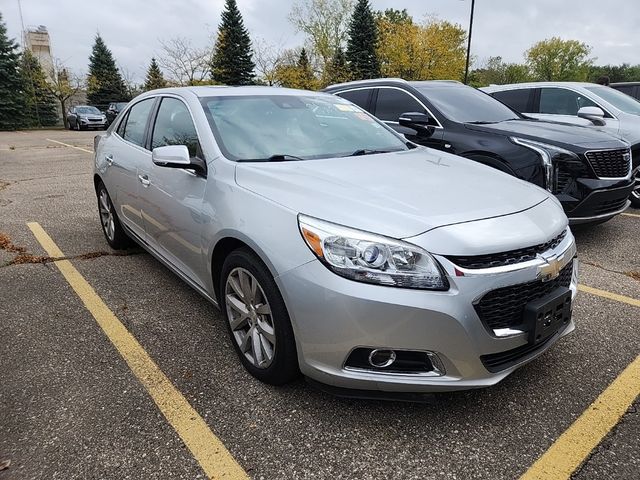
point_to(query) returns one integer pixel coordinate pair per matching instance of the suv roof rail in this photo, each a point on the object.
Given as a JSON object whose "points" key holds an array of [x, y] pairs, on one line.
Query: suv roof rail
{"points": [[370, 80]]}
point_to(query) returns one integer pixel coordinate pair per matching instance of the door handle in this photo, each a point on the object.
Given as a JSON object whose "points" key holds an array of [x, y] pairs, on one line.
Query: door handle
{"points": [[109, 158], [144, 180]]}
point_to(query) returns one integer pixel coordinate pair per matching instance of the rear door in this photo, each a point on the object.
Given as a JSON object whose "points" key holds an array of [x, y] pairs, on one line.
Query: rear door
{"points": [[125, 155], [172, 201]]}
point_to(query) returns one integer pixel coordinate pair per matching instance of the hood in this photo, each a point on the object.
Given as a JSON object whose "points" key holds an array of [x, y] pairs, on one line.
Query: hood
{"points": [[560, 134], [398, 194]]}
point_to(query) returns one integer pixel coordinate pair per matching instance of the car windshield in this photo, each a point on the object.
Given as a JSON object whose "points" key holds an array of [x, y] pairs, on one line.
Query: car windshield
{"points": [[466, 104], [620, 100], [91, 110], [295, 127]]}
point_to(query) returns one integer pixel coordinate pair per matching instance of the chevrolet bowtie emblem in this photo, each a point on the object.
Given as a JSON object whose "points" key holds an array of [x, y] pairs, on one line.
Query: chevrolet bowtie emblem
{"points": [[551, 270]]}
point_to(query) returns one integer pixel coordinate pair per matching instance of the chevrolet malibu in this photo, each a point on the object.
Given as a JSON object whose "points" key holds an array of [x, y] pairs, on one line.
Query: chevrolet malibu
{"points": [[333, 246]]}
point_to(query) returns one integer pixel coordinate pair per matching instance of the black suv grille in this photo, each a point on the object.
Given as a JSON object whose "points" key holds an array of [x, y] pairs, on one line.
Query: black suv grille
{"points": [[504, 307], [610, 163], [507, 258]]}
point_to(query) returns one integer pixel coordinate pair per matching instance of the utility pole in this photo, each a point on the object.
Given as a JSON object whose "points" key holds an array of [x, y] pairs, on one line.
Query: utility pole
{"points": [[466, 70]]}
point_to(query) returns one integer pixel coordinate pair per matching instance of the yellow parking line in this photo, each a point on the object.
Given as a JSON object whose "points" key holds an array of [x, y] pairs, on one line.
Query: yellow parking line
{"points": [[572, 447], [568, 452], [630, 215], [70, 146], [609, 295], [208, 450]]}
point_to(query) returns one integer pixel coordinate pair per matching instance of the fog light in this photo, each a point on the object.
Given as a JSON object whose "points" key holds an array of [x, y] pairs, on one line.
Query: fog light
{"points": [[382, 358]]}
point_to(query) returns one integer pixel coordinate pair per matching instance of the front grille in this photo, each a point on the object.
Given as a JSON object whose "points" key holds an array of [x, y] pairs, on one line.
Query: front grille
{"points": [[504, 307], [610, 206], [507, 258], [610, 163]]}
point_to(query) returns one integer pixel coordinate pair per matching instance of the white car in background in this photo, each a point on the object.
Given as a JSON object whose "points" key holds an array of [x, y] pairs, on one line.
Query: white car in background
{"points": [[579, 103]]}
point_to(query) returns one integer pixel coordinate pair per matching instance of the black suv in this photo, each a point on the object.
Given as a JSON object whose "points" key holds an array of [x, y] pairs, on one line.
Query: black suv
{"points": [[588, 170], [630, 88]]}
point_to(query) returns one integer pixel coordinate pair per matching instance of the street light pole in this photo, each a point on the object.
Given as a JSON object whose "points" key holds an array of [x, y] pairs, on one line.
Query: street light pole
{"points": [[466, 70]]}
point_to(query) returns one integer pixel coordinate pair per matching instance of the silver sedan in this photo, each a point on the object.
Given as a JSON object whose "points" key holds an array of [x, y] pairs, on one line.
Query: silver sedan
{"points": [[333, 246]]}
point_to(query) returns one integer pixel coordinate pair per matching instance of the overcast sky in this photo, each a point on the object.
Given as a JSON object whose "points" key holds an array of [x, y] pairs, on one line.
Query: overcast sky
{"points": [[132, 28]]}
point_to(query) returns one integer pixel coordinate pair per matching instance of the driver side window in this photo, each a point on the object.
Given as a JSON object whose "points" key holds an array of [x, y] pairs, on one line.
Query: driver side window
{"points": [[560, 101], [174, 126]]}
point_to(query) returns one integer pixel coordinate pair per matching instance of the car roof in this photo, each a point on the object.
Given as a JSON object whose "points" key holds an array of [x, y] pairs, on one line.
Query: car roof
{"points": [[223, 90], [509, 86], [392, 81]]}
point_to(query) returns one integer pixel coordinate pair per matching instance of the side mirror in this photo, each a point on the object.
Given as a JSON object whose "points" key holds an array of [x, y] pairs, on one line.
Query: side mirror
{"points": [[594, 114], [177, 156], [421, 122]]}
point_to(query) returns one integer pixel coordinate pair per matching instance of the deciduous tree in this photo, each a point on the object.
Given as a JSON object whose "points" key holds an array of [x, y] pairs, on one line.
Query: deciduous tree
{"points": [[495, 71], [154, 78], [11, 83], [63, 85], [555, 59], [362, 56], [185, 63], [433, 50], [104, 84], [325, 22], [232, 63]]}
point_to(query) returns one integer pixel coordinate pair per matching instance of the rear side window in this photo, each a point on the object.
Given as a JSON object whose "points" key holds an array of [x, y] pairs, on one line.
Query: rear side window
{"points": [[560, 101], [174, 126], [359, 97], [392, 103], [516, 99], [136, 122]]}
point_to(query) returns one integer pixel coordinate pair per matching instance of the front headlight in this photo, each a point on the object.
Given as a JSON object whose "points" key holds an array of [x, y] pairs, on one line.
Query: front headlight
{"points": [[367, 257], [549, 154]]}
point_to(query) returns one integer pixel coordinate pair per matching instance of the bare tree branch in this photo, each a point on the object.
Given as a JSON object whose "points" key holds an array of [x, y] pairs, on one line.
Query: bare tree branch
{"points": [[63, 85], [184, 63]]}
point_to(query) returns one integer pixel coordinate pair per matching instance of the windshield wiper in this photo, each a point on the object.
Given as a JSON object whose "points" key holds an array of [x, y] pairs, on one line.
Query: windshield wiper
{"points": [[366, 151], [279, 157]]}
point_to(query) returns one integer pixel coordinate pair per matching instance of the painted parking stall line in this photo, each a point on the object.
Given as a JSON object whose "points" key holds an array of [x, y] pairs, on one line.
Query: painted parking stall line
{"points": [[70, 146], [570, 450], [207, 449], [630, 215], [610, 295]]}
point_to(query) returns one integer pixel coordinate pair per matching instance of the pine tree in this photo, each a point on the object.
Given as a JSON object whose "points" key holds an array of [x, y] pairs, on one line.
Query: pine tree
{"points": [[154, 78], [232, 63], [40, 104], [11, 83], [362, 44], [105, 82], [307, 79], [337, 70]]}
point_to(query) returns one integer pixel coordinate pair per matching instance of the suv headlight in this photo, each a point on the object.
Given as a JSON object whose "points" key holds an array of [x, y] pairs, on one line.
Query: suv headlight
{"points": [[549, 154], [367, 257]]}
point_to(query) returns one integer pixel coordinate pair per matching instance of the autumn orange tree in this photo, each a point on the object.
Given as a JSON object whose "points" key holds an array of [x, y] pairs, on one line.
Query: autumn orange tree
{"points": [[430, 50]]}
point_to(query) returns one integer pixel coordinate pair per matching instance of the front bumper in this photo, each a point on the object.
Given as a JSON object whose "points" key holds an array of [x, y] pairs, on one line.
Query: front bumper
{"points": [[605, 199], [332, 316], [93, 124]]}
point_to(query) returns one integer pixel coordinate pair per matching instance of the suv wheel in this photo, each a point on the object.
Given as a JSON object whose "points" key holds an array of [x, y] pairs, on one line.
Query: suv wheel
{"points": [[257, 319], [111, 227], [635, 193]]}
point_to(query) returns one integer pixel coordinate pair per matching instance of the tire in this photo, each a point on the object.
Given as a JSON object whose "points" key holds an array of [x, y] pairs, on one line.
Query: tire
{"points": [[264, 317], [635, 194], [112, 229]]}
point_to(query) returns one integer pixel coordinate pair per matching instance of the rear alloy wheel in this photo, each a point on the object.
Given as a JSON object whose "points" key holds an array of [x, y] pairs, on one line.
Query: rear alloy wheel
{"points": [[635, 193], [111, 227], [257, 319]]}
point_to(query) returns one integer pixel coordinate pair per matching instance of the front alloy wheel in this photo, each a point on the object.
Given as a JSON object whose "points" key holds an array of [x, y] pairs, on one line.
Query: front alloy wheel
{"points": [[635, 193], [250, 317], [257, 318]]}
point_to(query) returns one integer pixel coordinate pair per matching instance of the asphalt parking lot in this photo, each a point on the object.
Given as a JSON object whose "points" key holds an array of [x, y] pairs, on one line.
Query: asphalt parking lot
{"points": [[71, 407]]}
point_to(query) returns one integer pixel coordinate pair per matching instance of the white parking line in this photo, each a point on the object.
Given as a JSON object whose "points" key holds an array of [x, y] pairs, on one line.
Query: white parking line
{"points": [[70, 146]]}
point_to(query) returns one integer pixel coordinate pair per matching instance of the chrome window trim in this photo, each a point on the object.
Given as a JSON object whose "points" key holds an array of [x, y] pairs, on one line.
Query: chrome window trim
{"points": [[372, 87], [628, 175]]}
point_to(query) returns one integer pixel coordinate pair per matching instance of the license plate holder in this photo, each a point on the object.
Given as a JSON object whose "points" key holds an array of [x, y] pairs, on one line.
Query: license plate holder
{"points": [[545, 316]]}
